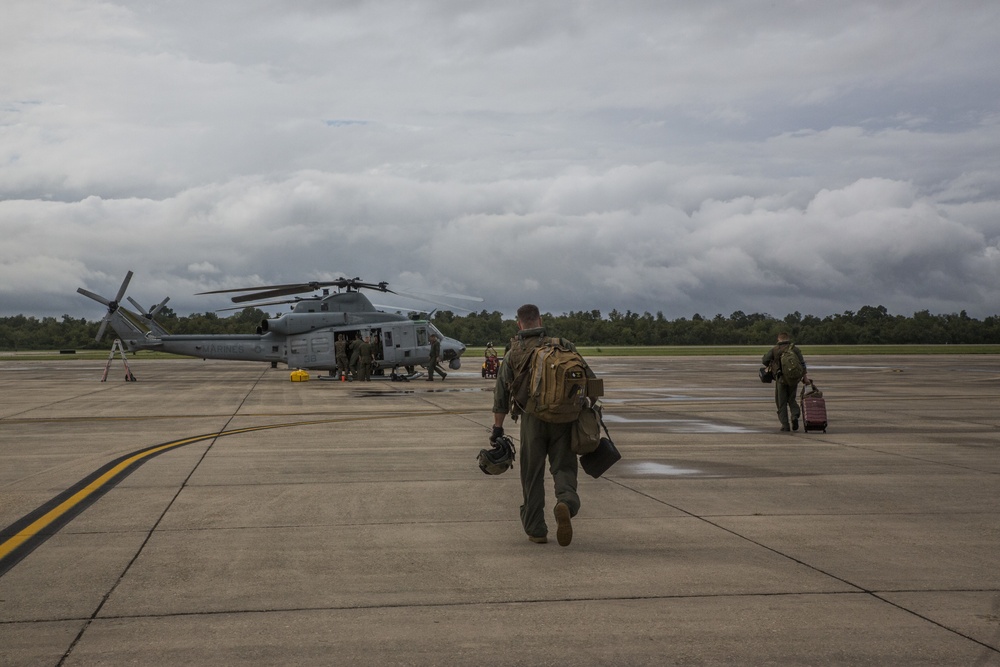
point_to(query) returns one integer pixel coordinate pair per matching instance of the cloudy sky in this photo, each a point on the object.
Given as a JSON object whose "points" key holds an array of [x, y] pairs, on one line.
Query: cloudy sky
{"points": [[646, 155]]}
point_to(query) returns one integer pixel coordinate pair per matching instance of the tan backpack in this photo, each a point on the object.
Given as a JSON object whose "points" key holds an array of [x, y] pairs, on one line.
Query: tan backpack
{"points": [[550, 382]]}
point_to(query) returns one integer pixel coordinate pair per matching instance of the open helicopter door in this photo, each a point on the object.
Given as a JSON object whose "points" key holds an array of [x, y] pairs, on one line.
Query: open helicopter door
{"points": [[388, 342]]}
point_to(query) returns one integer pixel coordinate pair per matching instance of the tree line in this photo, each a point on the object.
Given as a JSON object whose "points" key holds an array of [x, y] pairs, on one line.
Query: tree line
{"points": [[871, 325]]}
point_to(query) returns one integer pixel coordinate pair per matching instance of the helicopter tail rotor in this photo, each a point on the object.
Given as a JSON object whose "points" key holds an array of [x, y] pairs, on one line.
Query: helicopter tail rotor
{"points": [[148, 316], [112, 304], [151, 313]]}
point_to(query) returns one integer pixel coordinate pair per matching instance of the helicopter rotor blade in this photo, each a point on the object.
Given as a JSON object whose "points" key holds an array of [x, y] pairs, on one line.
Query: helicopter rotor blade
{"points": [[96, 297], [158, 308], [249, 289], [443, 295], [136, 304], [450, 306], [121, 290], [143, 312], [274, 293], [100, 330]]}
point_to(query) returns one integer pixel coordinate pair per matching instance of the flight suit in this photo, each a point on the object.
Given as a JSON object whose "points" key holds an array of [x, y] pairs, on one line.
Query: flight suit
{"points": [[435, 353], [784, 395], [539, 440], [365, 361], [355, 357]]}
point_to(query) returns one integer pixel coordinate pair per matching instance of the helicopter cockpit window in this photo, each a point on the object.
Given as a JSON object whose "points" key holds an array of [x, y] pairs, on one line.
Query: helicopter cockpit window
{"points": [[422, 336]]}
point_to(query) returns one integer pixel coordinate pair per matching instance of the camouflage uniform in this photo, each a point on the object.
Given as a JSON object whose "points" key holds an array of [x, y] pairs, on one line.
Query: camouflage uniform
{"points": [[539, 439], [355, 348], [340, 348], [365, 360]]}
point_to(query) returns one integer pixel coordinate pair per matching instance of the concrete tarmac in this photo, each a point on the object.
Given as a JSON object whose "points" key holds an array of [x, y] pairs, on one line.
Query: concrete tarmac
{"points": [[328, 523]]}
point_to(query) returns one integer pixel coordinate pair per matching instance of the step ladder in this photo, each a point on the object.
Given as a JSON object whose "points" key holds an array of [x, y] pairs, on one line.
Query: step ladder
{"points": [[117, 347]]}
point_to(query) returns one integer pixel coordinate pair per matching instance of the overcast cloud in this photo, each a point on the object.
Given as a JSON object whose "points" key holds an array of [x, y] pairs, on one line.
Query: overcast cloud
{"points": [[652, 156]]}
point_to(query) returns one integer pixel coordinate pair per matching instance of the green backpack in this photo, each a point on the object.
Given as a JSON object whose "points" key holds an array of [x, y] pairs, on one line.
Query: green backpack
{"points": [[550, 382], [792, 371]]}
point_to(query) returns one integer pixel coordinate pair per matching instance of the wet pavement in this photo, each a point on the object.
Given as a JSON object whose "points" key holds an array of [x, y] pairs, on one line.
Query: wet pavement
{"points": [[216, 513]]}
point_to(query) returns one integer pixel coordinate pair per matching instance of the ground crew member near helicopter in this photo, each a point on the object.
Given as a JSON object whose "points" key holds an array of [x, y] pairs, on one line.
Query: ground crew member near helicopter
{"points": [[340, 349], [365, 359], [355, 355], [434, 354], [539, 440]]}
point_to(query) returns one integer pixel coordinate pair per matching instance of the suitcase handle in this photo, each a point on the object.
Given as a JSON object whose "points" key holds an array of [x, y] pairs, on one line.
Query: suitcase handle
{"points": [[814, 390]]}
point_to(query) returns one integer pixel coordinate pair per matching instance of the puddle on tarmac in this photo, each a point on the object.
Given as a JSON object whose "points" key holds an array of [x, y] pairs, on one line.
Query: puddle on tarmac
{"points": [[682, 425], [654, 469], [668, 398], [686, 470]]}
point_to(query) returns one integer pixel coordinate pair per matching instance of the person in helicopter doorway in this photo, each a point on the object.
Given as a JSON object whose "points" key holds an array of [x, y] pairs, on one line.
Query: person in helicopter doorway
{"points": [[435, 354], [355, 352], [784, 391], [365, 359]]}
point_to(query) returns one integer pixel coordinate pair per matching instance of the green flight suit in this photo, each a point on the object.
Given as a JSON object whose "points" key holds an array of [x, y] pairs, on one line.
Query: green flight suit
{"points": [[365, 361], [433, 367], [355, 348], [539, 440], [784, 395]]}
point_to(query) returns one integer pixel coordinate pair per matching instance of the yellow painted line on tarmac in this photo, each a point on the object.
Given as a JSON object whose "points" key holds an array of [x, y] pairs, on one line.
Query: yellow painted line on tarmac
{"points": [[59, 510], [25, 535]]}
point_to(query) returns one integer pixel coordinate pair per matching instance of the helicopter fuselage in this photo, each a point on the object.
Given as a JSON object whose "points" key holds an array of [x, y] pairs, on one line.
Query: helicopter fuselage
{"points": [[304, 338], [395, 343]]}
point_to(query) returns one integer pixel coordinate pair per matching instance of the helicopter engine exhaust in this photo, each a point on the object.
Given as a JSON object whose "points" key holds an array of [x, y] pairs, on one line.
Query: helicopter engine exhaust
{"points": [[298, 323]]}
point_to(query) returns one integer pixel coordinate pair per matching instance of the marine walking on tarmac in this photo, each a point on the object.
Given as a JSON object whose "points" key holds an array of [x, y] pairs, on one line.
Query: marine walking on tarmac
{"points": [[435, 354], [788, 369], [540, 440]]}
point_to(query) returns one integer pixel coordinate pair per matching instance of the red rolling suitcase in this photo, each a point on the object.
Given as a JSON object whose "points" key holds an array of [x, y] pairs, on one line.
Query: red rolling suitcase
{"points": [[813, 409]]}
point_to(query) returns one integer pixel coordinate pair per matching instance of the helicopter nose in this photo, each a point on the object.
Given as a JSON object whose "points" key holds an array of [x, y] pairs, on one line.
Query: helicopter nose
{"points": [[452, 350]]}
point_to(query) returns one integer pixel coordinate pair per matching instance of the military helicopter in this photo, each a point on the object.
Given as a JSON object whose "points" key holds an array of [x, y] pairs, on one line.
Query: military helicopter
{"points": [[302, 339]]}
